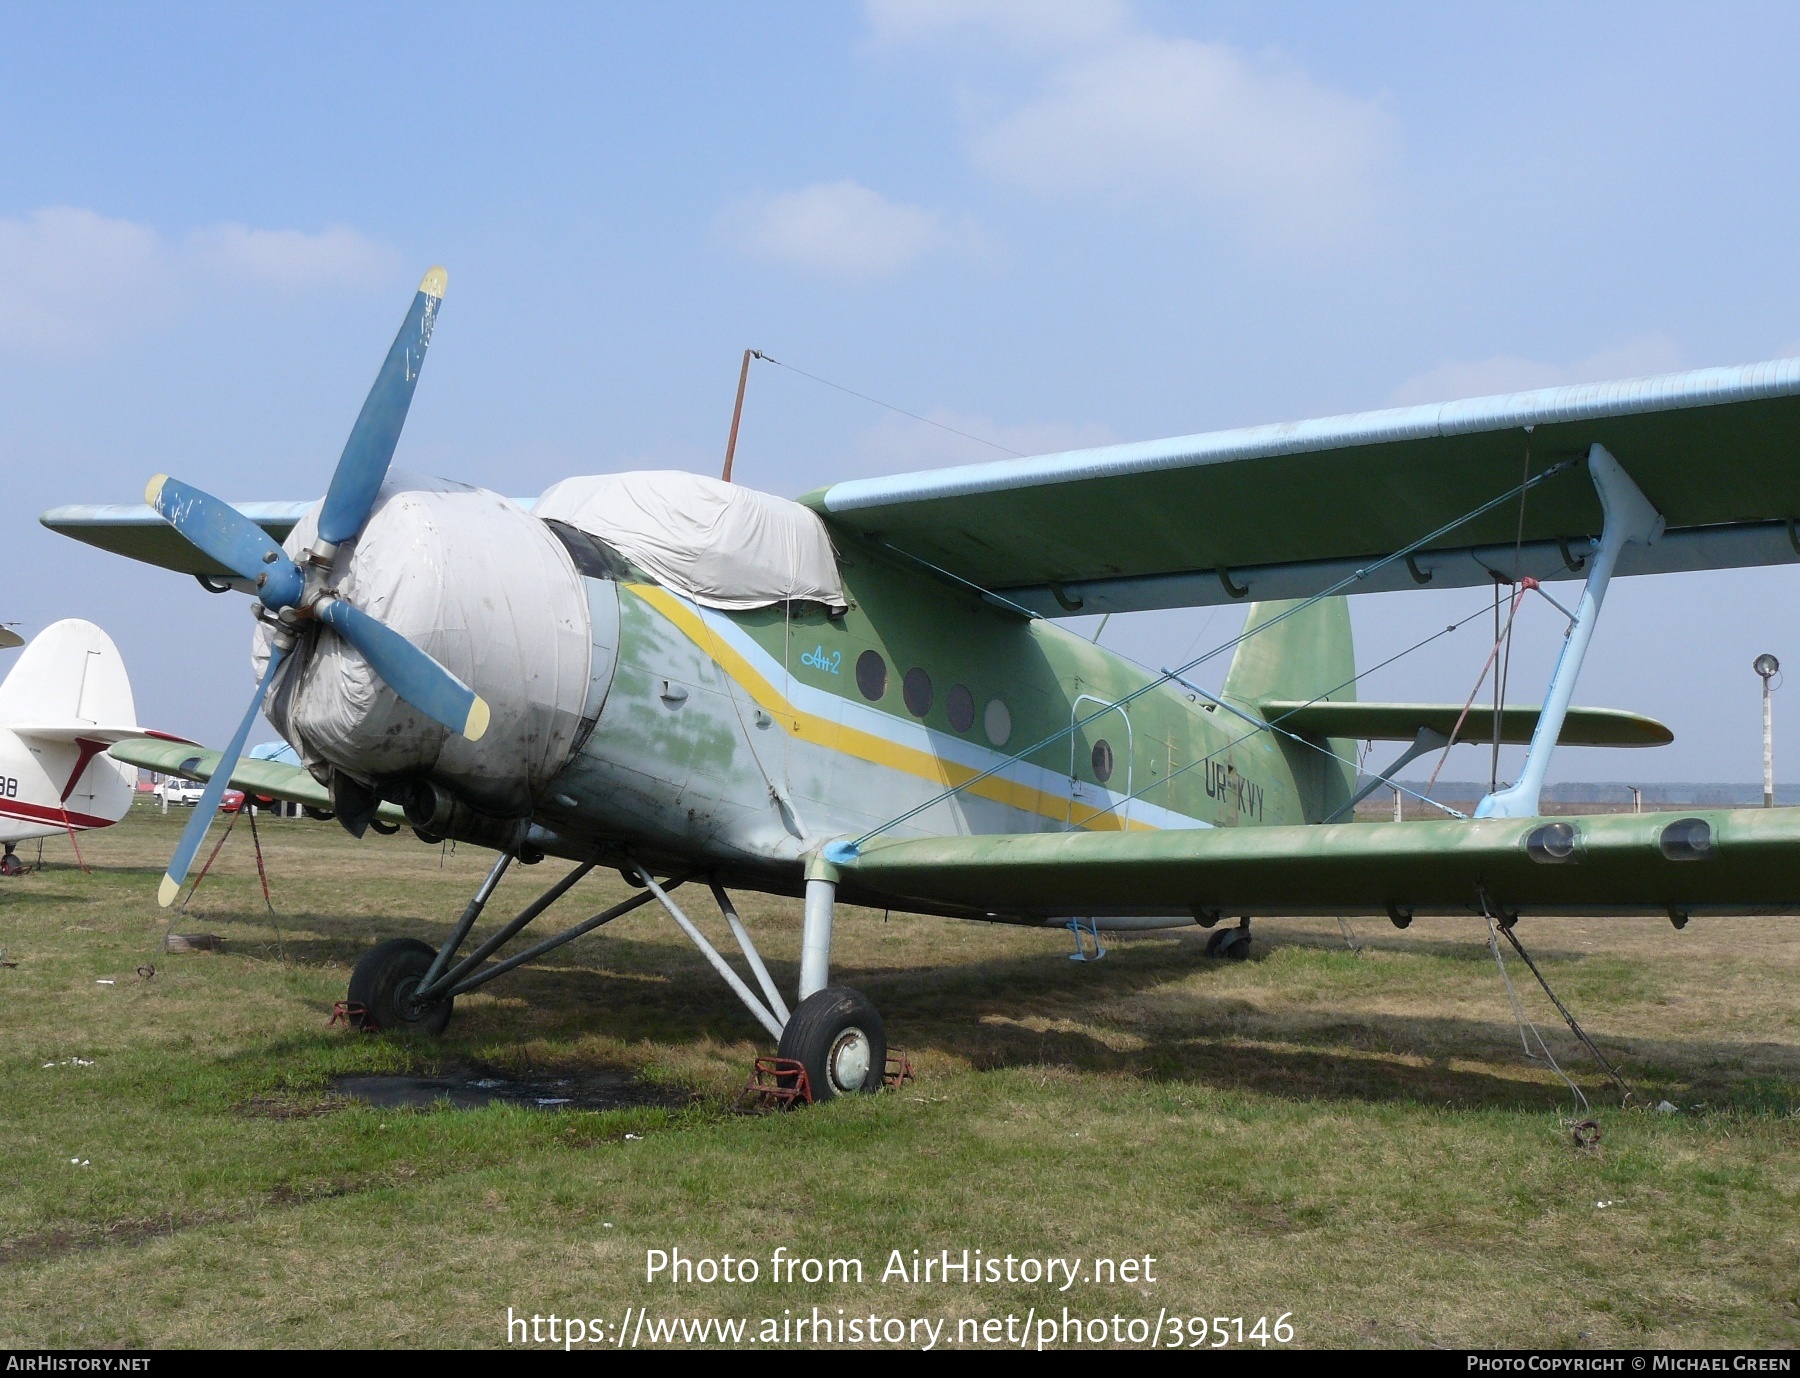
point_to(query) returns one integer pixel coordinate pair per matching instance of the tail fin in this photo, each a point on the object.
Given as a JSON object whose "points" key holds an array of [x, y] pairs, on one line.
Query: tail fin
{"points": [[1308, 655], [70, 676]]}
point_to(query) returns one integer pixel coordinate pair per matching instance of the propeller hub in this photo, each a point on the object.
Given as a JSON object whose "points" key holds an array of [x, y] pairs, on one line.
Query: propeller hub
{"points": [[280, 585]]}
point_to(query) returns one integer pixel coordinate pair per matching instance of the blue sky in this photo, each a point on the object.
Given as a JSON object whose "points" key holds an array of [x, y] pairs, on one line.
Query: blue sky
{"points": [[1047, 225]]}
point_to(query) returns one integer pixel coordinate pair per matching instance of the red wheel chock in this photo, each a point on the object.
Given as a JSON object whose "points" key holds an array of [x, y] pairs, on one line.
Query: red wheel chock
{"points": [[352, 1015], [899, 1070], [780, 1082]]}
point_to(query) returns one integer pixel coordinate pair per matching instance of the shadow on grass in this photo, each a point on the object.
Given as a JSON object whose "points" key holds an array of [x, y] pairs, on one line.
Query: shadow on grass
{"points": [[1041, 1010]]}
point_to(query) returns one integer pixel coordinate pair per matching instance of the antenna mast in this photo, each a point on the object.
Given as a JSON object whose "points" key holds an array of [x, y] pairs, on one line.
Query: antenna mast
{"points": [[737, 413]]}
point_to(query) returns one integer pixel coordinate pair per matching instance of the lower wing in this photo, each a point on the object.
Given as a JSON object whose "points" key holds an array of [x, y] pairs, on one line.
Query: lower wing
{"points": [[265, 779], [1709, 861]]}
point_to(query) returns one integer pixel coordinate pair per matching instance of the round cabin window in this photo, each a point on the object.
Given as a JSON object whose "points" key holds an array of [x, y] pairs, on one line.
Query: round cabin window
{"points": [[871, 675], [997, 722], [1103, 761], [916, 690], [959, 703]]}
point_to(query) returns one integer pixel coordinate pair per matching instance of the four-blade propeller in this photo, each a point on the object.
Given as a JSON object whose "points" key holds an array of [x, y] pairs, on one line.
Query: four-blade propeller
{"points": [[296, 592]]}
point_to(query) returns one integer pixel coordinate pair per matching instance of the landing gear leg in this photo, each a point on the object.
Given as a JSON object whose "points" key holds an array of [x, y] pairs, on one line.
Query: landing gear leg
{"points": [[834, 1031], [1232, 944], [815, 938]]}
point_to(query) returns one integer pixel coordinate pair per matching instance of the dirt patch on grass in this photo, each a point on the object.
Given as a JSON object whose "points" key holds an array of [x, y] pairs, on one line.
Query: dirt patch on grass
{"points": [[32, 1248], [471, 1088]]}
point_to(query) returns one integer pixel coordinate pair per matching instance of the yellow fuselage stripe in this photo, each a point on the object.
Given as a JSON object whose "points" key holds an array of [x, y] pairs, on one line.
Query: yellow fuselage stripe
{"points": [[866, 746]]}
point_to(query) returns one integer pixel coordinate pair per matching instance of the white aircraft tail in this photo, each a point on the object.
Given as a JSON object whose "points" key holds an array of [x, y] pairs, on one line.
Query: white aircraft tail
{"points": [[65, 701], [69, 678]]}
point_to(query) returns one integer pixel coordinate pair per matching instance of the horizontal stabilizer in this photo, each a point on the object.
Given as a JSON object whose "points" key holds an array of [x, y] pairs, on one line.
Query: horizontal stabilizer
{"points": [[271, 779], [1706, 861], [86, 732], [1400, 722]]}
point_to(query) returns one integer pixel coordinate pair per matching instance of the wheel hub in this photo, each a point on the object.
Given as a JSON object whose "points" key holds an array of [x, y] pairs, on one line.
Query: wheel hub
{"points": [[406, 999], [849, 1060]]}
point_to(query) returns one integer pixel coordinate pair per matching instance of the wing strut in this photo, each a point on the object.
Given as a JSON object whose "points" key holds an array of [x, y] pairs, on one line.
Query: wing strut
{"points": [[1427, 739], [1630, 519]]}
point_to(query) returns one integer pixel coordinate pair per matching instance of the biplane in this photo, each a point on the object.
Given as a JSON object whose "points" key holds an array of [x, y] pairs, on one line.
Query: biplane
{"points": [[866, 695]]}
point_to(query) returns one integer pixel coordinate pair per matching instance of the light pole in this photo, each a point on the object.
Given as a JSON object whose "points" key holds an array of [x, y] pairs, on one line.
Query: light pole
{"points": [[1768, 667]]}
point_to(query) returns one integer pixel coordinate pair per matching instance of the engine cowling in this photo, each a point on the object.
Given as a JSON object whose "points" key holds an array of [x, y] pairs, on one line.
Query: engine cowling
{"points": [[483, 587]]}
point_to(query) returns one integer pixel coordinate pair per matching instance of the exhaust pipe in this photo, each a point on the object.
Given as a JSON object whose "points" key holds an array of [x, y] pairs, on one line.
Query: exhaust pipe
{"points": [[437, 815]]}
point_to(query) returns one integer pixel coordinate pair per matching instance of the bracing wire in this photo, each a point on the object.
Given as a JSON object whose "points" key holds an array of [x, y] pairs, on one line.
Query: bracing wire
{"points": [[1166, 676], [876, 401]]}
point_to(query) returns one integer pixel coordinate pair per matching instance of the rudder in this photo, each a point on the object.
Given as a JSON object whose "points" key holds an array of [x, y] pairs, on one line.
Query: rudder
{"points": [[71, 675], [1308, 655]]}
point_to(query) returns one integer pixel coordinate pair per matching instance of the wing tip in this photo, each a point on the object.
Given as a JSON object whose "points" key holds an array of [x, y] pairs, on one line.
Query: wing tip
{"points": [[434, 283]]}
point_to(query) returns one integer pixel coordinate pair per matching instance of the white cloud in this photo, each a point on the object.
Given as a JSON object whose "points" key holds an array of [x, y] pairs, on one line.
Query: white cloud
{"points": [[69, 276], [292, 259], [71, 279], [840, 228], [1450, 382], [1117, 110]]}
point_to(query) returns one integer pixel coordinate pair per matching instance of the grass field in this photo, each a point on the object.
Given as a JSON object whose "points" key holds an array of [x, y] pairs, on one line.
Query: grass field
{"points": [[1352, 1138]]}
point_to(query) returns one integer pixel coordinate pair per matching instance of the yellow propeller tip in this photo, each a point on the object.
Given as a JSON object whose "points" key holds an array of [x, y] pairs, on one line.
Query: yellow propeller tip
{"points": [[477, 722], [434, 283], [165, 896], [153, 489]]}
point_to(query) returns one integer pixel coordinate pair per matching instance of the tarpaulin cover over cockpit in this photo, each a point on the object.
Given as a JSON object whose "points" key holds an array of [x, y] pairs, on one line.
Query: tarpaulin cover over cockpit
{"points": [[720, 544]]}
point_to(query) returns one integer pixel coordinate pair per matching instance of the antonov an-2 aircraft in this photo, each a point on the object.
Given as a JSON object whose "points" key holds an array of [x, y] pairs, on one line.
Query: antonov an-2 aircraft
{"points": [[864, 695]]}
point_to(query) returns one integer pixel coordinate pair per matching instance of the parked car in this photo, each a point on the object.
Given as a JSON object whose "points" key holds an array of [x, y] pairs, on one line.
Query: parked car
{"points": [[178, 791], [190, 792]]}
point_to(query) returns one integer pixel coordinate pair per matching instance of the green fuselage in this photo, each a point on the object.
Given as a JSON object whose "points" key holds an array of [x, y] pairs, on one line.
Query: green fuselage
{"points": [[748, 739]]}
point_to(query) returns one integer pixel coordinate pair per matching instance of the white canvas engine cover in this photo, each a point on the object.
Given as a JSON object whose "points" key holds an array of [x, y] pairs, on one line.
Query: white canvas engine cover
{"points": [[720, 544], [489, 592]]}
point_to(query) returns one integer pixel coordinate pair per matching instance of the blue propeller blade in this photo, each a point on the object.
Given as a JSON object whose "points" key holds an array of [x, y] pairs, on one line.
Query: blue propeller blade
{"points": [[370, 448], [408, 671], [229, 537], [195, 832]]}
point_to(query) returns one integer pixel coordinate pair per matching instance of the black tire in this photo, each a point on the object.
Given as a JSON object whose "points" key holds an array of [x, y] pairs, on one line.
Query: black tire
{"points": [[1229, 944], [834, 1031], [384, 981]]}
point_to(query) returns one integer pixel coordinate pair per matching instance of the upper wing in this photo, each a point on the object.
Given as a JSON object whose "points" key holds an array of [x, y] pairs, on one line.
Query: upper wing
{"points": [[1712, 861], [1400, 722], [270, 779], [139, 531], [1285, 511]]}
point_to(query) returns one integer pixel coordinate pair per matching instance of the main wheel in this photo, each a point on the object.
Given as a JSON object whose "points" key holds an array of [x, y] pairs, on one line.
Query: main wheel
{"points": [[1232, 944], [838, 1036], [384, 982]]}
